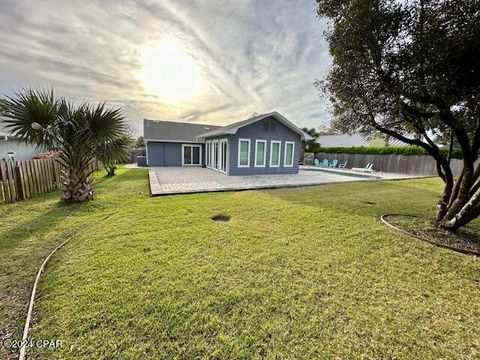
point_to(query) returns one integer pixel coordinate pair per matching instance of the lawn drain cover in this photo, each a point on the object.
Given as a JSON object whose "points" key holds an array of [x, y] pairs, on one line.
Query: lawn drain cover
{"points": [[221, 218]]}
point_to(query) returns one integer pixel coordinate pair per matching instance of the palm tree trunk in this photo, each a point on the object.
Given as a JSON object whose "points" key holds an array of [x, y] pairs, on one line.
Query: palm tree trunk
{"points": [[77, 186]]}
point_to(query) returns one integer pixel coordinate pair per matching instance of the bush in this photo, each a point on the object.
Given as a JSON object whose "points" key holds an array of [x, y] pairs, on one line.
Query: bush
{"points": [[47, 155], [386, 150]]}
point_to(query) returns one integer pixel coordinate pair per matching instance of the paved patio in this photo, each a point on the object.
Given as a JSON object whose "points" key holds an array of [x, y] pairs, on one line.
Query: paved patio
{"points": [[187, 180]]}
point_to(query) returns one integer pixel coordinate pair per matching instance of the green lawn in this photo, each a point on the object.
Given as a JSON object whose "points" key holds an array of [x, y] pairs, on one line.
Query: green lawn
{"points": [[297, 273]]}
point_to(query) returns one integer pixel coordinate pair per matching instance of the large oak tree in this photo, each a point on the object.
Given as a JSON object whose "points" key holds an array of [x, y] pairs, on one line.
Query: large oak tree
{"points": [[411, 69]]}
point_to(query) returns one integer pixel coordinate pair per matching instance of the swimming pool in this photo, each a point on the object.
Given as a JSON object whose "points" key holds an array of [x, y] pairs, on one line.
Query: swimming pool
{"points": [[347, 172]]}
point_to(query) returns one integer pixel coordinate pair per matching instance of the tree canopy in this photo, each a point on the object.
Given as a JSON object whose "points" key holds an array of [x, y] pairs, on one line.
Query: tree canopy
{"points": [[411, 67]]}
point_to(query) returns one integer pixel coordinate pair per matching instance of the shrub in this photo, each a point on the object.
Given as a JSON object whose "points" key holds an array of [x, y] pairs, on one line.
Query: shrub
{"points": [[386, 150]]}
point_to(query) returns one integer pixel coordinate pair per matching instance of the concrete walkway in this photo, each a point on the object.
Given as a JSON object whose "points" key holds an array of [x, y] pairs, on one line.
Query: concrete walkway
{"points": [[187, 180]]}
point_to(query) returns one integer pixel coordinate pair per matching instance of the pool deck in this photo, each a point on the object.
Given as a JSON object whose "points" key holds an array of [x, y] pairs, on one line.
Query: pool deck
{"points": [[190, 180]]}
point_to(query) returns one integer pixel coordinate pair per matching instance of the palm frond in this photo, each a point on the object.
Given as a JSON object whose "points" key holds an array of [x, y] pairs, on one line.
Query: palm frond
{"points": [[30, 116], [105, 124]]}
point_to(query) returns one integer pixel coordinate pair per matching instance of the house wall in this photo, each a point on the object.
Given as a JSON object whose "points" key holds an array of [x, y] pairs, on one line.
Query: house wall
{"points": [[261, 131], [22, 151], [167, 153]]}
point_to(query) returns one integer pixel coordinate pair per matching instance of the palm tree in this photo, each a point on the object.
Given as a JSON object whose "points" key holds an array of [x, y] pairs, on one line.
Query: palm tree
{"points": [[111, 152], [37, 117]]}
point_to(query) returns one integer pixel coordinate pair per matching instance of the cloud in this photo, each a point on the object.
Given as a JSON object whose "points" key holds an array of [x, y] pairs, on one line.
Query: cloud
{"points": [[254, 56]]}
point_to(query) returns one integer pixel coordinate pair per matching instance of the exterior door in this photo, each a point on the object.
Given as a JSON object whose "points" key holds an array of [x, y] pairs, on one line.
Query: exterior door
{"points": [[223, 156], [215, 153], [191, 155]]}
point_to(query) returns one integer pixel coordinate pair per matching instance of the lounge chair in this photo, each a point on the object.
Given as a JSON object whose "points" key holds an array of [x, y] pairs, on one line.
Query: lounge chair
{"points": [[342, 166], [334, 163], [316, 162], [368, 168], [324, 163]]}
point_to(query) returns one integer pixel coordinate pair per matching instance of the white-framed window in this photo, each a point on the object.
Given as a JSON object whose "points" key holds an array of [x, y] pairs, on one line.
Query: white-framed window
{"points": [[260, 153], [208, 151], [191, 155], [288, 154], [243, 153], [275, 147]]}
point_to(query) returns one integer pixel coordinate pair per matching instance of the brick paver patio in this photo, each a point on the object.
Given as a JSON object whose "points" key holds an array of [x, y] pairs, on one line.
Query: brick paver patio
{"points": [[186, 180]]}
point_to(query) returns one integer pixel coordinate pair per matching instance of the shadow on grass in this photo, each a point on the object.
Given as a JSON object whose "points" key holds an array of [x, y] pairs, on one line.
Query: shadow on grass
{"points": [[41, 224], [366, 199]]}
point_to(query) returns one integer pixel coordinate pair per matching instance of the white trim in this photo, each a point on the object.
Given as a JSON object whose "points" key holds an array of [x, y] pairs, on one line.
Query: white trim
{"points": [[232, 129], [264, 153], [199, 154], [146, 153], [239, 153], [285, 154], [208, 154], [215, 153], [279, 152]]}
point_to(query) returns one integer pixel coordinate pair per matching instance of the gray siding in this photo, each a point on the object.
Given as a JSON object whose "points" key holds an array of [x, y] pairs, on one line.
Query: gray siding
{"points": [[259, 131], [167, 154]]}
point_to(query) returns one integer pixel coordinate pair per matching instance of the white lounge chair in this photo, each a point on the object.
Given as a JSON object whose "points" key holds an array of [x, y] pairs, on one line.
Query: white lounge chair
{"points": [[342, 166], [368, 168]]}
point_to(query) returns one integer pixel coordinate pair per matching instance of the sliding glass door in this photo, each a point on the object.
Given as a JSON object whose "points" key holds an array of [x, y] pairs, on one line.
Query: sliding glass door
{"points": [[223, 149], [217, 152], [191, 155]]}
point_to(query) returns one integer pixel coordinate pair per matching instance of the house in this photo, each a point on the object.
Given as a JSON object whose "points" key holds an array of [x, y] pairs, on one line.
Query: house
{"points": [[356, 139], [11, 145], [264, 144]]}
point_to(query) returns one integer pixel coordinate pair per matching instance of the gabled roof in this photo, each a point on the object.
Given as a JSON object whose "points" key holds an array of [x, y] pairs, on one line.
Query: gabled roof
{"points": [[233, 128], [160, 130]]}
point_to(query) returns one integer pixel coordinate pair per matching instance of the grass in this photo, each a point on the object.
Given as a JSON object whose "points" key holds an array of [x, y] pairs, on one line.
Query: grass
{"points": [[296, 273]]}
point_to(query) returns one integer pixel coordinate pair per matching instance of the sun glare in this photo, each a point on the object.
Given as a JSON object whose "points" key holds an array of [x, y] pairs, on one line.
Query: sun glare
{"points": [[169, 72]]}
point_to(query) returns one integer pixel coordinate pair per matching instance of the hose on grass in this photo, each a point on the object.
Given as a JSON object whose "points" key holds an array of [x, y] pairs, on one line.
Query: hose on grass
{"points": [[23, 347], [384, 217]]}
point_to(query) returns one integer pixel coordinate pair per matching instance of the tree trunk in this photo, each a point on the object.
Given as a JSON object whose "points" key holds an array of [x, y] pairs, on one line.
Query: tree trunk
{"points": [[463, 204], [110, 170], [77, 186]]}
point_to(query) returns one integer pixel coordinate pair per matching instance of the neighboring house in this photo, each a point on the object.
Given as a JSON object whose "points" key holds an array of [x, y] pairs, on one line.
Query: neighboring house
{"points": [[265, 144], [349, 140], [10, 144]]}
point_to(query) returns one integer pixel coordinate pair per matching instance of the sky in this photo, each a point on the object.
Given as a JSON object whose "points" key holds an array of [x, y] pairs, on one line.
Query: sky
{"points": [[200, 61]]}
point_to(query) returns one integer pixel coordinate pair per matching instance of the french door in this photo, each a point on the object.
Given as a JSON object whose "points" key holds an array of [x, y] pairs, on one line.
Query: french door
{"points": [[191, 155], [223, 156], [219, 155]]}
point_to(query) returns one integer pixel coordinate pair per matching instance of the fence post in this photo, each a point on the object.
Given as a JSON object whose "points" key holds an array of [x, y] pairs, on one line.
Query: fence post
{"points": [[19, 183]]}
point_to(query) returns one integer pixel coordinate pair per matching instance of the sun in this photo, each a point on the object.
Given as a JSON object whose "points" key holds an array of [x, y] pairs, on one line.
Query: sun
{"points": [[169, 71]]}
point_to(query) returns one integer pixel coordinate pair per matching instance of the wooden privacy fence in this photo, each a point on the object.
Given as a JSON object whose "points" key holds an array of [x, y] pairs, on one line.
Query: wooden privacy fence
{"points": [[400, 164], [21, 180]]}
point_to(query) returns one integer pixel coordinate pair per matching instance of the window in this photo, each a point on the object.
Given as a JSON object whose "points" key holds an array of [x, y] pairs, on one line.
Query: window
{"points": [[191, 155], [275, 153], [260, 153], [288, 156], [243, 153]]}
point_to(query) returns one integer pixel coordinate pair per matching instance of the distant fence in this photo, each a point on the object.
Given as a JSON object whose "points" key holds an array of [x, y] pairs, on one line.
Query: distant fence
{"points": [[401, 164], [21, 180]]}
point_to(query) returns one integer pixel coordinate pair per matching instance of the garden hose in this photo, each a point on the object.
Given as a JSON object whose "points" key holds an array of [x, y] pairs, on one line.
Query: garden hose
{"points": [[23, 347]]}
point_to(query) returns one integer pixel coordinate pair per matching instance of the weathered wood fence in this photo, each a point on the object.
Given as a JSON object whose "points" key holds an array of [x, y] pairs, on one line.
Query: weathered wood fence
{"points": [[401, 164], [21, 180]]}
